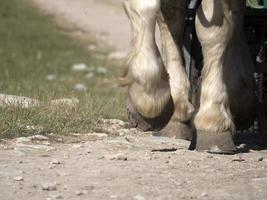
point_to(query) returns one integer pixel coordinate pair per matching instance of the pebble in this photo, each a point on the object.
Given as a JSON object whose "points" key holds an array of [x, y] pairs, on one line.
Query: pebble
{"points": [[260, 159], [39, 137], [121, 156], [79, 193], [139, 197], [55, 162], [66, 156], [17, 101], [80, 87], [65, 102], [56, 196], [90, 75], [20, 146], [101, 70], [49, 186], [204, 194], [98, 135], [92, 47], [77, 146], [19, 178], [51, 77], [23, 140], [81, 67], [113, 196], [238, 159]]}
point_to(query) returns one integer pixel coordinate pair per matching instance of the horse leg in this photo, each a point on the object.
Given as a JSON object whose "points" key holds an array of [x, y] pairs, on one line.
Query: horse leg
{"points": [[149, 100], [213, 121], [171, 24]]}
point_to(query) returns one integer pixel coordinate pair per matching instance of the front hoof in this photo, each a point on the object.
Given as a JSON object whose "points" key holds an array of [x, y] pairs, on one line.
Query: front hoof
{"points": [[177, 130], [217, 143], [136, 120]]}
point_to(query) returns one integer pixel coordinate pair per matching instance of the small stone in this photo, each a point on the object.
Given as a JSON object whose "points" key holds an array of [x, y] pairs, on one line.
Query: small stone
{"points": [[51, 166], [79, 193], [90, 75], [260, 159], [66, 156], [49, 186], [19, 178], [101, 157], [113, 196], [55, 162], [39, 138], [77, 146], [209, 156], [91, 47], [79, 67], [51, 77], [238, 159], [23, 140], [122, 157], [80, 87], [56, 196], [139, 197], [97, 135], [204, 194], [101, 70], [71, 102], [20, 146]]}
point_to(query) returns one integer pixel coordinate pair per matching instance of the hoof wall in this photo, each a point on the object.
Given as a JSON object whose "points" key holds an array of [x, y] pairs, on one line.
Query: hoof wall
{"points": [[216, 143], [177, 130], [149, 124]]}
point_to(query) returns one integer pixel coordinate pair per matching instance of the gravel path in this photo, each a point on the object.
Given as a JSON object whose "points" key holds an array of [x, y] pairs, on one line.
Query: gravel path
{"points": [[128, 165]]}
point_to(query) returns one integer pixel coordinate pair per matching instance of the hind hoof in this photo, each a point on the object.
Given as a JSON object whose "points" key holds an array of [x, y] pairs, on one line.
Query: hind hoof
{"points": [[177, 130], [136, 120], [217, 143]]}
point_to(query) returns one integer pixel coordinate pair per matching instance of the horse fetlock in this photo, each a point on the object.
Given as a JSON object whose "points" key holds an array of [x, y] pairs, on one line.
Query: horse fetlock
{"points": [[214, 119], [149, 104], [183, 110]]}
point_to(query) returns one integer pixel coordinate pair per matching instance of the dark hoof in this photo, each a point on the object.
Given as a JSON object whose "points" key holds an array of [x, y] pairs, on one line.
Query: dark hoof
{"points": [[149, 124], [217, 143], [177, 130]]}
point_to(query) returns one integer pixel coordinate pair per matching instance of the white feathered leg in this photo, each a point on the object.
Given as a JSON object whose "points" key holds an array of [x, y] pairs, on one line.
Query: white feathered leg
{"points": [[213, 121], [149, 91]]}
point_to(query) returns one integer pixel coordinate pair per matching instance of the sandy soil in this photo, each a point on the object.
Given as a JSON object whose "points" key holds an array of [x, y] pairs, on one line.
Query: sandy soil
{"points": [[127, 164]]}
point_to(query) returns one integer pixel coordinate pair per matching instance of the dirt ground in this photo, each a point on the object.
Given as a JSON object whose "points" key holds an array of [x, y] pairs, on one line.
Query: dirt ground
{"points": [[103, 19], [125, 164]]}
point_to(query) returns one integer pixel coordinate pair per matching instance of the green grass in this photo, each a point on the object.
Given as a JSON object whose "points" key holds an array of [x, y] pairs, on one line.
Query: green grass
{"points": [[33, 46]]}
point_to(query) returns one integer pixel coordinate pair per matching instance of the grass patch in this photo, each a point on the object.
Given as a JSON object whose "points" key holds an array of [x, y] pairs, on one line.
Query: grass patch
{"points": [[33, 47]]}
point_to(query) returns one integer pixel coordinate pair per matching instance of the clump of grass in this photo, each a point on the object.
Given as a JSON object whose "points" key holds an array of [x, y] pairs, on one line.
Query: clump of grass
{"points": [[31, 47]]}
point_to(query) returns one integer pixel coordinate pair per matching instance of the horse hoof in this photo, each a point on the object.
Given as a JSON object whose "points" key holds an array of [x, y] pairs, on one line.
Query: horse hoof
{"points": [[136, 120], [217, 143], [177, 130]]}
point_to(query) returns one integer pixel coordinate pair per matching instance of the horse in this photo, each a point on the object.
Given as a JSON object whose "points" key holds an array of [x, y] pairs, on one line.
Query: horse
{"points": [[160, 97]]}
